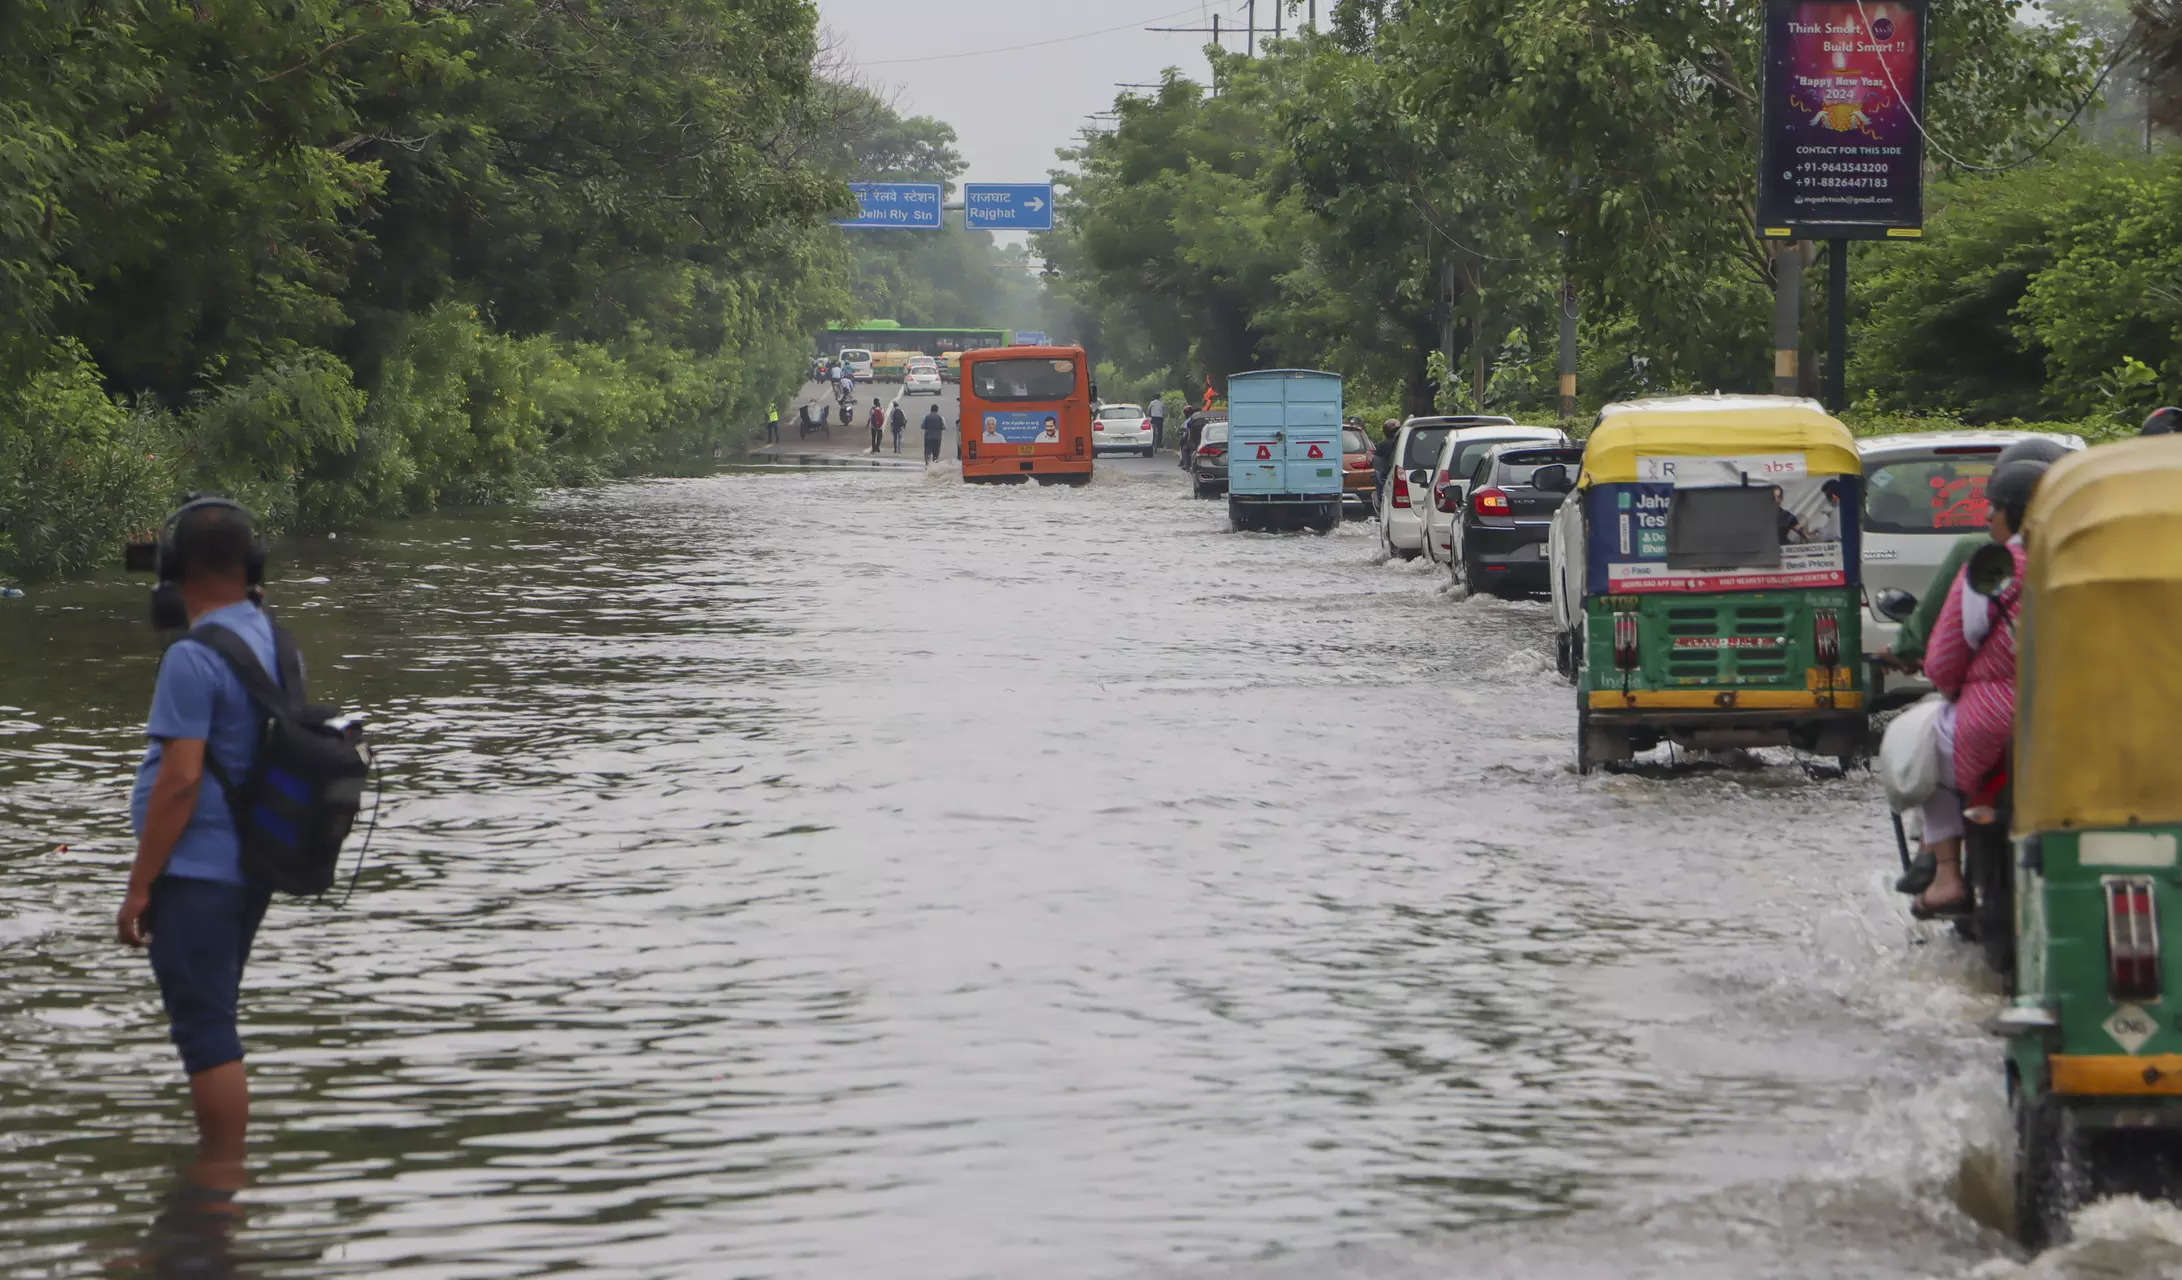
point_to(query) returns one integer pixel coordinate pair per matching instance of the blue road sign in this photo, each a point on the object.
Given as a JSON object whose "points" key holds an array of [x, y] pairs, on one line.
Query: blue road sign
{"points": [[1029, 338], [895, 204], [1008, 206]]}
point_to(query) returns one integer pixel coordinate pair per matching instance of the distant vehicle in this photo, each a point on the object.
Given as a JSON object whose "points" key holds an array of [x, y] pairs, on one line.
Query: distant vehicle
{"points": [[821, 369], [1357, 476], [922, 380], [1921, 492], [858, 361], [950, 366], [1208, 470], [1118, 428], [1026, 415], [1406, 493], [1500, 535], [1284, 449], [1450, 484]]}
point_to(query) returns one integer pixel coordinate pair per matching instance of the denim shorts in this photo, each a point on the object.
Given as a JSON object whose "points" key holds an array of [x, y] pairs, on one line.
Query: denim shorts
{"points": [[201, 934]]}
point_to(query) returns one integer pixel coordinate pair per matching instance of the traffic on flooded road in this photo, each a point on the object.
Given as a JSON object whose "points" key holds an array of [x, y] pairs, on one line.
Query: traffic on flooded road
{"points": [[1027, 881]]}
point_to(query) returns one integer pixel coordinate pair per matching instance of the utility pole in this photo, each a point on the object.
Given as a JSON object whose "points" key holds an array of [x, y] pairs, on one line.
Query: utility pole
{"points": [[1250, 49], [1278, 5], [1787, 318], [1314, 15]]}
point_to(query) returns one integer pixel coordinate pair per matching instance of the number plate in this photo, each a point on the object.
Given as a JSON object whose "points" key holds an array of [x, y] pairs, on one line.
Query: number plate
{"points": [[1025, 450]]}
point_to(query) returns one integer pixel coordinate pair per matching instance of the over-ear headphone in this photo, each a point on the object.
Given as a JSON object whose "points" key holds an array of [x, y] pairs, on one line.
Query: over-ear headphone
{"points": [[174, 550]]}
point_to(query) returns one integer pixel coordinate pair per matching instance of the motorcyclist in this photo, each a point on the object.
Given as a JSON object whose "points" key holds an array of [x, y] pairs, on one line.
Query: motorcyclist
{"points": [[1382, 455], [1970, 660]]}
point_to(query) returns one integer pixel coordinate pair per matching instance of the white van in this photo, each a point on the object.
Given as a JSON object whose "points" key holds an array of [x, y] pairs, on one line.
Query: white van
{"points": [[859, 362]]}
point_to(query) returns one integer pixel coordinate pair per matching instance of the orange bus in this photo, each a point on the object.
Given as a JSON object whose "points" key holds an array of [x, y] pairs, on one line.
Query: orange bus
{"points": [[1026, 415]]}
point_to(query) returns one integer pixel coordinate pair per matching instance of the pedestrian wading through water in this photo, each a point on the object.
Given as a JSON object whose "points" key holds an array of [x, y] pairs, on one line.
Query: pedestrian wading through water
{"points": [[244, 790]]}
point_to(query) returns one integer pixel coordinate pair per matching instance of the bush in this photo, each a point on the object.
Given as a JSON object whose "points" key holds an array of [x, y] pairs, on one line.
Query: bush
{"points": [[78, 472]]}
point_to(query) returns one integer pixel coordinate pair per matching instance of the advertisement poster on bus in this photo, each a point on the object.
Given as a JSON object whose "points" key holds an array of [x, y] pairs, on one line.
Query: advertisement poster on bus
{"points": [[1810, 521], [1022, 427], [1843, 156]]}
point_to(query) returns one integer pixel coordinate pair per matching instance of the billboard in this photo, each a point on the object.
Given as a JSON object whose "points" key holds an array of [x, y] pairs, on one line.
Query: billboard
{"points": [[1842, 155]]}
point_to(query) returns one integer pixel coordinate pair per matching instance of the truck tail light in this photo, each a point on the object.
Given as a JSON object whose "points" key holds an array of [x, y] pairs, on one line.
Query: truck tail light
{"points": [[2132, 939], [969, 450], [1492, 502], [1401, 489], [1625, 641], [1826, 630]]}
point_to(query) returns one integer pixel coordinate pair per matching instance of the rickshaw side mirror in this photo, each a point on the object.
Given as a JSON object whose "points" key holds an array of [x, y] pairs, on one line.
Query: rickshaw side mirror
{"points": [[1895, 604], [1553, 478], [1992, 567]]}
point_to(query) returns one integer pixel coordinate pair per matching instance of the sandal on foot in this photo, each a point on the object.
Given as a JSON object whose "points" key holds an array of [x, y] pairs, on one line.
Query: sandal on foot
{"points": [[1955, 910], [1918, 876]]}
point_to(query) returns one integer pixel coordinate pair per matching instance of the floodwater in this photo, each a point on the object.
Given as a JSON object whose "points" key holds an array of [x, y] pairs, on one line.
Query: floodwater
{"points": [[828, 873]]}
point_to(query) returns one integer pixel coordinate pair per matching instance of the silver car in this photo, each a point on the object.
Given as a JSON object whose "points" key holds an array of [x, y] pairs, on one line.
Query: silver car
{"points": [[1921, 493]]}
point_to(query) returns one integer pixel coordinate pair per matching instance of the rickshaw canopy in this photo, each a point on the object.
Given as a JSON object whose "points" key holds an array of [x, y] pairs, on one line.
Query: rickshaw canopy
{"points": [[1715, 426], [2099, 666]]}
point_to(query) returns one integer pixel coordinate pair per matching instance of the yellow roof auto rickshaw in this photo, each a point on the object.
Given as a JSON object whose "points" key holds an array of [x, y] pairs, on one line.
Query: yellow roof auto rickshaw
{"points": [[1706, 578], [2094, 1052]]}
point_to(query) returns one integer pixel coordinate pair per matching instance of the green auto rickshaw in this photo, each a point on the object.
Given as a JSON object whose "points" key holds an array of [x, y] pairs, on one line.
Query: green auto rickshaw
{"points": [[2094, 1052], [1705, 578]]}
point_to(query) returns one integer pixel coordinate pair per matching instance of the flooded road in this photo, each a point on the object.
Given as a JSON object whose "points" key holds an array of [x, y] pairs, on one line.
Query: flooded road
{"points": [[848, 873]]}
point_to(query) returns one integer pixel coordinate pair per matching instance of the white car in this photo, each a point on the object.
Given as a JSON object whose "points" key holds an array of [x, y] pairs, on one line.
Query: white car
{"points": [[921, 380], [1921, 493], [1406, 492], [1121, 428], [1450, 486]]}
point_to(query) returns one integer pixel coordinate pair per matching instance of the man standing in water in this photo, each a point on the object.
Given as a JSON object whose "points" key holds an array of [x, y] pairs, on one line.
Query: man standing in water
{"points": [[188, 899], [934, 427]]}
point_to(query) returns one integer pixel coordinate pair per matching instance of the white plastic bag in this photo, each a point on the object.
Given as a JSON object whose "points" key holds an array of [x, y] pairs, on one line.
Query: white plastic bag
{"points": [[1909, 754]]}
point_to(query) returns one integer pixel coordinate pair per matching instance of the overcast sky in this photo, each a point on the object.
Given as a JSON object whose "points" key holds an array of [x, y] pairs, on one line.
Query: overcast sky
{"points": [[1012, 109]]}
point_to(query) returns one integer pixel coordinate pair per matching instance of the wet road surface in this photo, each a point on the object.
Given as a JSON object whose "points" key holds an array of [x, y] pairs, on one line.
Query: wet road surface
{"points": [[824, 873]]}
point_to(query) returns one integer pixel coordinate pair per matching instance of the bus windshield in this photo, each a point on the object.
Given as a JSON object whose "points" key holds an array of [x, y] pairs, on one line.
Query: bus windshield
{"points": [[1001, 381]]}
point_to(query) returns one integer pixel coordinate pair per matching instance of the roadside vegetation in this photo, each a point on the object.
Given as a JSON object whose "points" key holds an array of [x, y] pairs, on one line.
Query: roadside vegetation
{"points": [[355, 261], [1404, 196]]}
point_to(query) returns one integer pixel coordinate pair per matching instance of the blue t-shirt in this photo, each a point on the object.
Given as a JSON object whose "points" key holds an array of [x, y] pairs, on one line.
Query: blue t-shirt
{"points": [[199, 697]]}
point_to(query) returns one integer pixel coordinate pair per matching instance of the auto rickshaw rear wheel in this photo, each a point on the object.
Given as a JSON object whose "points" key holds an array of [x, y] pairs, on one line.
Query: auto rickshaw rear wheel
{"points": [[2050, 1179]]}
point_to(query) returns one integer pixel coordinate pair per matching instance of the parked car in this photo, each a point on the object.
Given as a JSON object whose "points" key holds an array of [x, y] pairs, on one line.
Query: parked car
{"points": [[1121, 428], [1500, 535], [1458, 457], [922, 379], [1921, 493], [1406, 493], [1357, 477], [1208, 469]]}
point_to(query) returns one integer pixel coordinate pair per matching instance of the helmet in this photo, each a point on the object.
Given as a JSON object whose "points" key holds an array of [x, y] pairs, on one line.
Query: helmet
{"points": [[2162, 422], [2013, 482], [2035, 448]]}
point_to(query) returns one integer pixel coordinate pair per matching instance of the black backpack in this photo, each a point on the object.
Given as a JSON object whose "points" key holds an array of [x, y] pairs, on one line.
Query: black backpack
{"points": [[300, 798]]}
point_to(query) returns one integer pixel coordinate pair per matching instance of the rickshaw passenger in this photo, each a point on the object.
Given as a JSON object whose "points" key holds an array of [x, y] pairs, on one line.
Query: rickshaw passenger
{"points": [[1970, 660]]}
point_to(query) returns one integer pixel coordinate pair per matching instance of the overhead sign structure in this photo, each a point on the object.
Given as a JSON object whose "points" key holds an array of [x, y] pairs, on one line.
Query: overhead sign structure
{"points": [[1007, 206], [1843, 155], [1029, 338], [895, 205]]}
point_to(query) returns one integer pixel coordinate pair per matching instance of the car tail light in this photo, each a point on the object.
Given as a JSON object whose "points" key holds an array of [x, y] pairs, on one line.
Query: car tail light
{"points": [[2132, 939], [1826, 629], [1492, 502], [1401, 489], [1625, 641], [1098, 426], [1208, 450], [1145, 425]]}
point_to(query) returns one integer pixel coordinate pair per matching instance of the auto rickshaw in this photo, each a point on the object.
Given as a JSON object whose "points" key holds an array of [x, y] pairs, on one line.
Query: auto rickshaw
{"points": [[1705, 578], [2094, 1053]]}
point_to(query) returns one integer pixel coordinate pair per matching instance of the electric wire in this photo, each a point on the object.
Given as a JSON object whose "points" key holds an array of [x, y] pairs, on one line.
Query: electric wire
{"points": [[1033, 44], [2121, 50]]}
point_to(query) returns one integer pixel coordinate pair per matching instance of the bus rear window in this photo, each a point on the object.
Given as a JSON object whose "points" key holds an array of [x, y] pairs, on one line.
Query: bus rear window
{"points": [[1004, 380], [1734, 528], [1928, 495]]}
